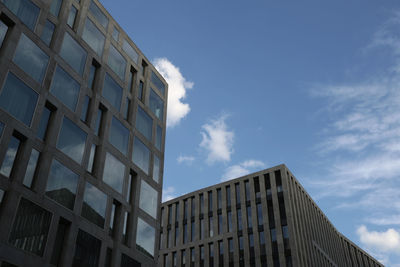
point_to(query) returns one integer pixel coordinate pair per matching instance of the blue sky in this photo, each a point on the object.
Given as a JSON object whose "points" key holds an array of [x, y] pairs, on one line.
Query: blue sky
{"points": [[312, 84]]}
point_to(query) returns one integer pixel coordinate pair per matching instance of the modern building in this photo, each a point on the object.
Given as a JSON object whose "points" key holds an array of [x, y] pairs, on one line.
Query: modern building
{"points": [[82, 126], [262, 219]]}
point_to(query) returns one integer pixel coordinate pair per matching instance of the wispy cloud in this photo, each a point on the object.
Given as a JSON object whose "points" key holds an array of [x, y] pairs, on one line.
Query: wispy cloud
{"points": [[386, 241], [185, 159], [169, 193], [242, 169], [177, 89], [217, 140]]}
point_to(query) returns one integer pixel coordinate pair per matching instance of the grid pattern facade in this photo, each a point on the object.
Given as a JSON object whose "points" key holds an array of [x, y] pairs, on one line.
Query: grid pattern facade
{"points": [[262, 219], [82, 129]]}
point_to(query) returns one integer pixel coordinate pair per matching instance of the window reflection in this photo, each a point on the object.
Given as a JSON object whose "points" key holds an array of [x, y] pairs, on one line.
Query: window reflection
{"points": [[72, 16], [141, 155], [73, 53], [94, 205], [117, 62], [9, 158], [30, 169], [98, 14], [3, 31], [55, 7], [87, 251], [119, 136], [47, 33], [158, 137], [157, 82], [93, 37], [65, 88], [62, 184], [156, 169], [25, 10], [112, 91], [130, 51], [156, 105], [71, 140], [144, 123], [114, 172], [148, 199], [145, 237]]}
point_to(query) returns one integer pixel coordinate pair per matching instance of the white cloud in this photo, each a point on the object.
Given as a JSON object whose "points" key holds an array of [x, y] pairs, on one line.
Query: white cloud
{"points": [[185, 159], [387, 241], [388, 220], [168, 193], [217, 140], [241, 169], [177, 88]]}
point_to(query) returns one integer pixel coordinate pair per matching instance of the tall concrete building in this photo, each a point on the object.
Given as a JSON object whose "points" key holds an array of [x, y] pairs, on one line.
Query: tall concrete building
{"points": [[262, 219], [82, 124]]}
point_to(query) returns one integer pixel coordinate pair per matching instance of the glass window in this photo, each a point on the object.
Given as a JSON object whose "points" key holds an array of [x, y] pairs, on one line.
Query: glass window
{"points": [[117, 62], [25, 10], [119, 136], [65, 88], [262, 238], [156, 169], [3, 31], [87, 251], [141, 155], [72, 16], [62, 184], [229, 221], [249, 221], [47, 33], [91, 158], [92, 74], [239, 220], [210, 201], [144, 123], [145, 237], [148, 199], [112, 91], [30, 169], [93, 37], [156, 105], [73, 53], [237, 189], [98, 121], [9, 158], [130, 51], [140, 91], [247, 190], [1, 195], [228, 196], [158, 137], [285, 231], [115, 34], [30, 58], [71, 140], [259, 214], [114, 172], [55, 7], [211, 226], [85, 108], [128, 194], [41, 133], [273, 235], [98, 14], [94, 205], [31, 227], [157, 82], [126, 109]]}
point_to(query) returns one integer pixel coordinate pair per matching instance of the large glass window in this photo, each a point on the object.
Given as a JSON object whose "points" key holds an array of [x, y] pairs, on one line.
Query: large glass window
{"points": [[93, 37], [30, 169], [130, 51], [71, 140], [115, 34], [30, 228], [156, 169], [73, 53], [72, 16], [157, 82], [148, 199], [44, 120], [62, 184], [65, 88], [141, 155], [3, 31], [94, 205], [112, 91], [47, 33], [55, 7], [87, 251], [91, 158], [30, 58], [156, 105], [144, 123], [114, 172], [158, 137], [85, 108], [8, 162], [145, 237], [119, 136], [117, 62], [98, 14], [25, 10]]}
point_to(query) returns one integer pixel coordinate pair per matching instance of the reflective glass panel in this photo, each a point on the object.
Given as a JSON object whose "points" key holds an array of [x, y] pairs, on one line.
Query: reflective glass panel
{"points": [[3, 31], [112, 91], [9, 158], [158, 137], [25, 10], [30, 169], [62, 184], [98, 14], [30, 58], [145, 237], [47, 32], [140, 91], [65, 88], [98, 121], [119, 136], [115, 34], [31, 227], [157, 82], [41, 133], [55, 7], [148, 199], [156, 169], [72, 16], [18, 99], [130, 51], [93, 37], [94, 205], [85, 108], [156, 105], [114, 172], [87, 251], [141, 155], [117, 62], [73, 53], [71, 140], [91, 158], [144, 123], [92, 73]]}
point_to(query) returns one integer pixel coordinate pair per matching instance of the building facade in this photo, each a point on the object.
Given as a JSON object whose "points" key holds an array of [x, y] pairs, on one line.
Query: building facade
{"points": [[262, 219], [82, 126]]}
